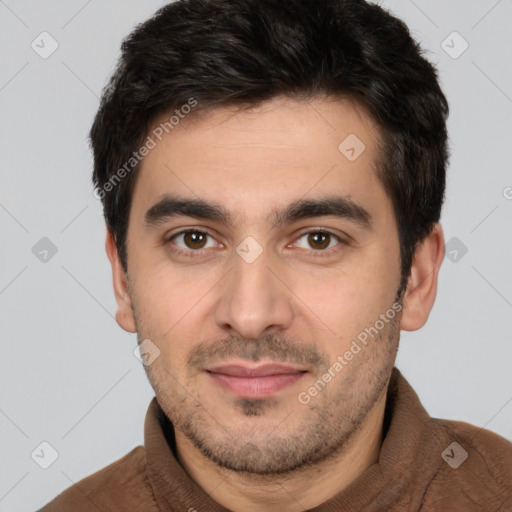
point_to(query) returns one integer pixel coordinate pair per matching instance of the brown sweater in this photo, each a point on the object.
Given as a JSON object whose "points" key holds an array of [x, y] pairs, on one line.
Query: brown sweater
{"points": [[419, 469]]}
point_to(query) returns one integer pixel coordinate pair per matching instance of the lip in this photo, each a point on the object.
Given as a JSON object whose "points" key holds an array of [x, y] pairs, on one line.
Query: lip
{"points": [[255, 382]]}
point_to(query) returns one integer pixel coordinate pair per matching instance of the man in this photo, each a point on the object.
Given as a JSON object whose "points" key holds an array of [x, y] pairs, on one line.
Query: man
{"points": [[272, 174]]}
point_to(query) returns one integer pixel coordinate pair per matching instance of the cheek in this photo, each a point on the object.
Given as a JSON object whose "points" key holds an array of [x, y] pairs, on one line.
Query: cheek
{"points": [[173, 304], [160, 300], [346, 302], [164, 315]]}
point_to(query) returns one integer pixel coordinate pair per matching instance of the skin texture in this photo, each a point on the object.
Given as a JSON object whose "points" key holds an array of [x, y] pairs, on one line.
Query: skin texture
{"points": [[301, 302]]}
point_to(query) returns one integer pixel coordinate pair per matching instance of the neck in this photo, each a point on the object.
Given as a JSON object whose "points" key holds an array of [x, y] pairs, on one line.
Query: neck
{"points": [[292, 491]]}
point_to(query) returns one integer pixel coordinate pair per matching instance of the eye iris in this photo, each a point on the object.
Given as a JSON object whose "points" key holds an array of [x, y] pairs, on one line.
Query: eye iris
{"points": [[194, 239], [320, 240]]}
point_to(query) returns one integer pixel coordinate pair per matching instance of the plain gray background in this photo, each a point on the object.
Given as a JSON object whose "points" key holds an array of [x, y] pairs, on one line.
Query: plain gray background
{"points": [[68, 373]]}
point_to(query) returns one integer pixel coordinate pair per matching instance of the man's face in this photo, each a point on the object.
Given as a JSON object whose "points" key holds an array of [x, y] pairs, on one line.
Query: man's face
{"points": [[223, 300]]}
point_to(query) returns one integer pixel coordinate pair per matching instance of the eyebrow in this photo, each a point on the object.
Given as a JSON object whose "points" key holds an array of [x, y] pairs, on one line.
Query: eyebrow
{"points": [[337, 206]]}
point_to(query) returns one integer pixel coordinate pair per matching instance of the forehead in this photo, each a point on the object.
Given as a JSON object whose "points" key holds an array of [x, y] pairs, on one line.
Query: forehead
{"points": [[255, 160]]}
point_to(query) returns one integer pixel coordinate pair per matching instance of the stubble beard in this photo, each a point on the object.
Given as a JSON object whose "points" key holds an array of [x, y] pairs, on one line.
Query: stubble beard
{"points": [[328, 422]]}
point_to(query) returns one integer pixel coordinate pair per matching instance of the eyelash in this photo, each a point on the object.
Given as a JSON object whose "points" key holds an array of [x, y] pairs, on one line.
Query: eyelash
{"points": [[319, 253]]}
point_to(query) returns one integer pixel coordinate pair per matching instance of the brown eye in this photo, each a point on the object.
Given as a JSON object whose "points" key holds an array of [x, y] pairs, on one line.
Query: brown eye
{"points": [[194, 239], [319, 240]]}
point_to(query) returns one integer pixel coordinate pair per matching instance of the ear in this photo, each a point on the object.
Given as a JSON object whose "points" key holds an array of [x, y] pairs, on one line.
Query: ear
{"points": [[422, 284], [124, 314]]}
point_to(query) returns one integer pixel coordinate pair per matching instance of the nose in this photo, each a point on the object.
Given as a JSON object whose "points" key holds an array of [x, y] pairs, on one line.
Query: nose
{"points": [[253, 301]]}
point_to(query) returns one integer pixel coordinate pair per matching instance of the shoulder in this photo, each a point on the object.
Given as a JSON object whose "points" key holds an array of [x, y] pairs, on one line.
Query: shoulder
{"points": [[117, 487], [475, 468]]}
